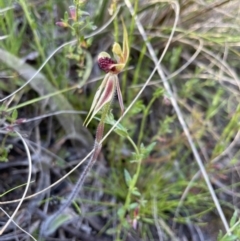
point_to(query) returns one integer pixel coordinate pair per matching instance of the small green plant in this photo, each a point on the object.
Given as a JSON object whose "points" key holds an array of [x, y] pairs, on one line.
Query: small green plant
{"points": [[134, 200], [78, 21], [11, 120], [234, 225]]}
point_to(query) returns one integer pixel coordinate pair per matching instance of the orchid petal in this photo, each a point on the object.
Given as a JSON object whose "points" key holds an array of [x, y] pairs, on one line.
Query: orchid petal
{"points": [[108, 92], [96, 97]]}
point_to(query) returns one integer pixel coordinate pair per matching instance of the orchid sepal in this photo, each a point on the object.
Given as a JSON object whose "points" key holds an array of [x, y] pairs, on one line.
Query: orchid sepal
{"points": [[102, 97], [121, 54]]}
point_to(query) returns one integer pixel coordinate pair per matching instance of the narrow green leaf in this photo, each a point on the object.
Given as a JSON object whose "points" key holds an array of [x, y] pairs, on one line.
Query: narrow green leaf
{"points": [[120, 129], [220, 235], [133, 206], [145, 151], [111, 231], [58, 221], [14, 114], [234, 218], [158, 92], [66, 17], [230, 238], [136, 193], [121, 133], [127, 177], [120, 212]]}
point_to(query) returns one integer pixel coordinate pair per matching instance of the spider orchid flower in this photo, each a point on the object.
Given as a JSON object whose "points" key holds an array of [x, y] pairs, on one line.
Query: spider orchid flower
{"points": [[110, 84]]}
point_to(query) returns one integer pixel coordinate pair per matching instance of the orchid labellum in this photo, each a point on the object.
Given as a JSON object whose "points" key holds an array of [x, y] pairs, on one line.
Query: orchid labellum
{"points": [[110, 84]]}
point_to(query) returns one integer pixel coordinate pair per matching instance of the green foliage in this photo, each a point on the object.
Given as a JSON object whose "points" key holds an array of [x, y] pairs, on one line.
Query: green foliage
{"points": [[234, 227], [4, 150], [58, 222]]}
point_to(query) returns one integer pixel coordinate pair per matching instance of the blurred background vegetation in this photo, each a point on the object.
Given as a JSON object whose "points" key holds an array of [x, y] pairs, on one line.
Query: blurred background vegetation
{"points": [[171, 200]]}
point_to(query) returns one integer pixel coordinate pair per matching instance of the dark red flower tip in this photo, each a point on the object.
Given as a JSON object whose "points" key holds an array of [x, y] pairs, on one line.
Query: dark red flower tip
{"points": [[105, 64]]}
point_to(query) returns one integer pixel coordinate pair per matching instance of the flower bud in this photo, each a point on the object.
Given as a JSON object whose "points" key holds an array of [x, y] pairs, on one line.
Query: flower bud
{"points": [[61, 24], [73, 13]]}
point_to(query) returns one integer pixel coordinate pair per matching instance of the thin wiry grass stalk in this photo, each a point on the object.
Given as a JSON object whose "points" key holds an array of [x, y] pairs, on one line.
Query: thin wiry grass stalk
{"points": [[27, 185], [176, 107], [184, 195], [183, 67], [228, 150], [18, 225]]}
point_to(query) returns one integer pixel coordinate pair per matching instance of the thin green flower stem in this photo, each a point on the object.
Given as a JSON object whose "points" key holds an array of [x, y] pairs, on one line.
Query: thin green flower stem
{"points": [[131, 187], [14, 188], [36, 39], [143, 123], [133, 144]]}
